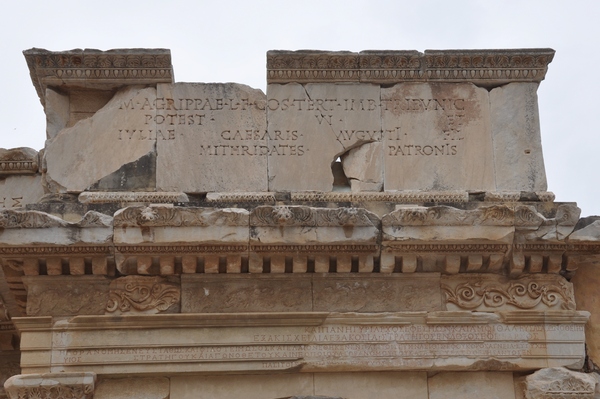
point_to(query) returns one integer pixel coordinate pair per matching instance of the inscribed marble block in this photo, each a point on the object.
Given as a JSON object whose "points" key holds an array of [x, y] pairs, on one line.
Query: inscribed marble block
{"points": [[218, 138], [437, 137], [312, 125], [116, 147]]}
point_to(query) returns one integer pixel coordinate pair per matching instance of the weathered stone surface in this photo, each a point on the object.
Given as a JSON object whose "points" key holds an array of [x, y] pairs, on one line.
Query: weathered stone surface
{"points": [[586, 284], [219, 137], [437, 137], [117, 135], [66, 295], [559, 382], [143, 295], [18, 191], [97, 70], [238, 386], [246, 293], [306, 342], [21, 227], [61, 385], [18, 161], [306, 225], [311, 126], [9, 366], [491, 293], [309, 292], [516, 137], [356, 293], [588, 233], [439, 223], [363, 166], [168, 224], [133, 388], [57, 112], [386, 385], [471, 385]]}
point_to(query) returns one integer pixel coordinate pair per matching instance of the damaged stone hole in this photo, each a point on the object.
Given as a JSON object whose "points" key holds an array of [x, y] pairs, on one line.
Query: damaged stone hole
{"points": [[358, 168]]}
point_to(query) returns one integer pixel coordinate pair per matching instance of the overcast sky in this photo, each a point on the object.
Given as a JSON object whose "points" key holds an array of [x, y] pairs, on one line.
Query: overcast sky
{"points": [[227, 41]]}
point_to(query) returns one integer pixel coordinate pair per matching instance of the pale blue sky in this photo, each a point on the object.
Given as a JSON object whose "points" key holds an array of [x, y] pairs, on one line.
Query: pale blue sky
{"points": [[227, 42]]}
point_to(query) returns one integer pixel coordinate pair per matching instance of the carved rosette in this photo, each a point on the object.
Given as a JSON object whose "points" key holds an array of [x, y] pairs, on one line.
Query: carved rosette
{"points": [[160, 215], [51, 386], [490, 293], [140, 294]]}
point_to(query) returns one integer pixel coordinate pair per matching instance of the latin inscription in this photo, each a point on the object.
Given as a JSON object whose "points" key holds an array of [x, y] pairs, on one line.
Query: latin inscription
{"points": [[11, 202], [164, 117]]}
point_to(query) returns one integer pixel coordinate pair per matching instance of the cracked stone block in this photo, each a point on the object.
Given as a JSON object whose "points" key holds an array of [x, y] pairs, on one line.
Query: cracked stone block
{"points": [[363, 166], [437, 137], [219, 138], [57, 112], [119, 134], [312, 125], [515, 125], [133, 388], [471, 385]]}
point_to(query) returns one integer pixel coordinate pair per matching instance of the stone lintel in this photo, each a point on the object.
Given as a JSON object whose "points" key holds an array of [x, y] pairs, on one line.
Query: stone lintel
{"points": [[305, 342], [96, 69], [102, 197], [481, 67]]}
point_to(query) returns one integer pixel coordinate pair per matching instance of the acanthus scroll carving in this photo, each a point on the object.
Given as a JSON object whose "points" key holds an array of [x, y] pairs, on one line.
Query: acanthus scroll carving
{"points": [[307, 216], [524, 293], [140, 294]]}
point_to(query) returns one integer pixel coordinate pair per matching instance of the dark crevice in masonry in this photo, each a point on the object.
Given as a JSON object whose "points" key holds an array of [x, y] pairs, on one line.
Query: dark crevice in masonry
{"points": [[139, 175]]}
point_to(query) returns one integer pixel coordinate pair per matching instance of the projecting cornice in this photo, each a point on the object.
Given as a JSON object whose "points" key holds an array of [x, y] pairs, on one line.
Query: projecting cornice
{"points": [[95, 69], [481, 67]]}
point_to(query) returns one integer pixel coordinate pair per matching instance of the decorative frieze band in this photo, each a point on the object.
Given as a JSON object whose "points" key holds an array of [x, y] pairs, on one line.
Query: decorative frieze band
{"points": [[90, 197], [97, 69], [18, 161], [485, 67]]}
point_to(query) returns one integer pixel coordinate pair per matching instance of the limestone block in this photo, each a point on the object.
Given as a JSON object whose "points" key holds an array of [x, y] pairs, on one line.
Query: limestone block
{"points": [[491, 293], [363, 166], [352, 293], [471, 385], [441, 223], [586, 283], [437, 137], [143, 295], [251, 342], [18, 191], [515, 124], [238, 386], [116, 147], [57, 112], [33, 227], [307, 225], [217, 137], [133, 388], [386, 385], [169, 224], [84, 103], [9, 366], [66, 295], [311, 125], [589, 232], [559, 382], [245, 293]]}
